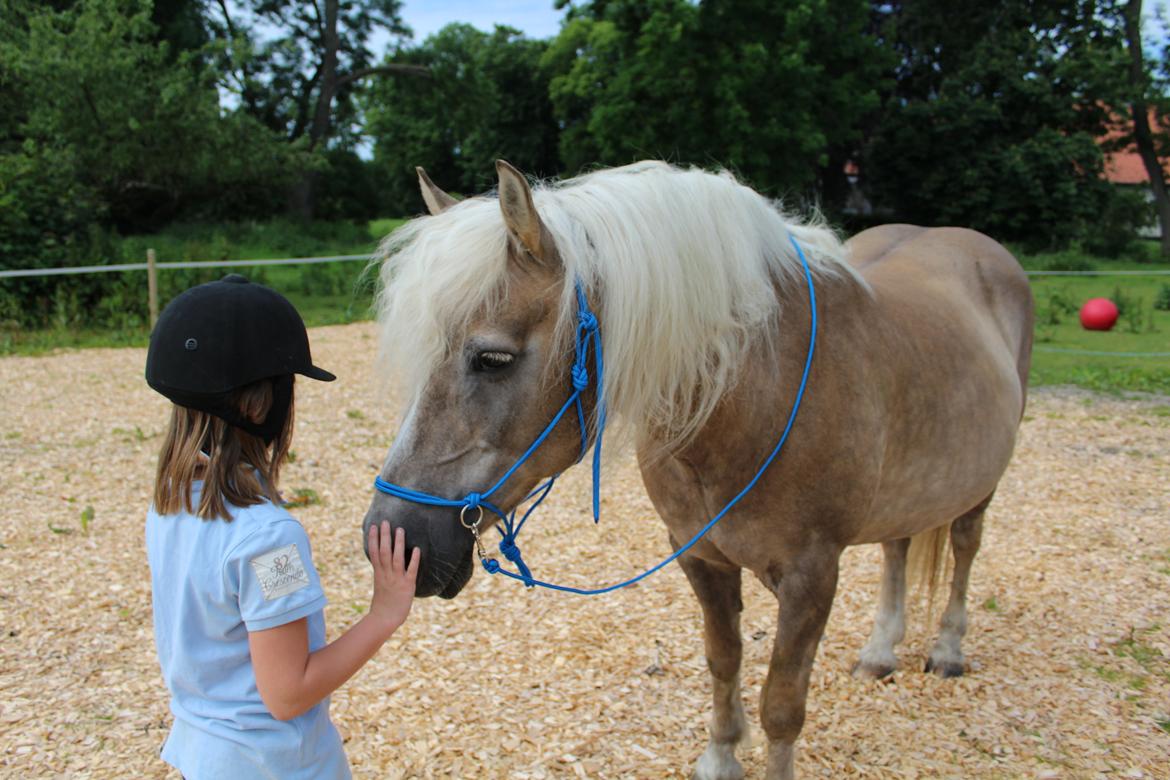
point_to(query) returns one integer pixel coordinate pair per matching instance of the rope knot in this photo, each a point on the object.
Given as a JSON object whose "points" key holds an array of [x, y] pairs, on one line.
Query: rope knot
{"points": [[580, 377], [509, 549], [491, 565], [473, 500], [512, 553], [587, 321]]}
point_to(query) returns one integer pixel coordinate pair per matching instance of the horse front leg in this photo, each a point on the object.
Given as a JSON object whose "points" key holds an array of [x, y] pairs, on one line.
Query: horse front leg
{"points": [[718, 589], [889, 626], [804, 589]]}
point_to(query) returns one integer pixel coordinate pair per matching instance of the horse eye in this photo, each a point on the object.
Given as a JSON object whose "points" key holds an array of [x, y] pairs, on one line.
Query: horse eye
{"points": [[492, 361]]}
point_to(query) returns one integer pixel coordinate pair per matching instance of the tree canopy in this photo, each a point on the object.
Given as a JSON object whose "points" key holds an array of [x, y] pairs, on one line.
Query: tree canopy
{"points": [[996, 121], [486, 98], [127, 115]]}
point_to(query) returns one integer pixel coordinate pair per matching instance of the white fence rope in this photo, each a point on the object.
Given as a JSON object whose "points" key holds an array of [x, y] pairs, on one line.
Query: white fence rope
{"points": [[1095, 352], [99, 269], [103, 269], [1098, 273]]}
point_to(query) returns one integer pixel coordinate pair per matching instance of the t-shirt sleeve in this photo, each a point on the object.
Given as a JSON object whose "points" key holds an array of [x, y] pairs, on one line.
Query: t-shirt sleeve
{"points": [[273, 576]]}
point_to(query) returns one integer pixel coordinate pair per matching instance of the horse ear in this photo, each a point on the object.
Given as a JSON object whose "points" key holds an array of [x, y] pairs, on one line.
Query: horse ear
{"points": [[435, 198], [520, 212]]}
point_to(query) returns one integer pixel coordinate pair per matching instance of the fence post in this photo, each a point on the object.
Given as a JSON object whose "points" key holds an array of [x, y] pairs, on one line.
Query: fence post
{"points": [[152, 286]]}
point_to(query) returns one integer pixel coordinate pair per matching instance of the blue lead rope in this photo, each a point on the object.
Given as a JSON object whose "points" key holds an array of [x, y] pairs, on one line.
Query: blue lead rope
{"points": [[588, 331]]}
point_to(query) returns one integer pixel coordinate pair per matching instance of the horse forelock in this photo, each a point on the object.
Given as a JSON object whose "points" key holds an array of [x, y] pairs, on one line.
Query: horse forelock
{"points": [[680, 264], [436, 273]]}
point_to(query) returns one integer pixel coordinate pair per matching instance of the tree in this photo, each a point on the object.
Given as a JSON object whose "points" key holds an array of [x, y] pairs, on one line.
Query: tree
{"points": [[776, 91], [109, 129], [303, 82], [147, 135], [791, 88], [488, 98], [624, 81], [1141, 96], [994, 123], [181, 24]]}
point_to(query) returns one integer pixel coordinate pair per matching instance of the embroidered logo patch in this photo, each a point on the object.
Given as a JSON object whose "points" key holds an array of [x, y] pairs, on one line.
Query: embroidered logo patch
{"points": [[280, 572]]}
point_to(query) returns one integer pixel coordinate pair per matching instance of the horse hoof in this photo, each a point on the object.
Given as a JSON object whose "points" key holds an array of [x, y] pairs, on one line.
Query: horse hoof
{"points": [[945, 669], [718, 764], [871, 671], [728, 774]]}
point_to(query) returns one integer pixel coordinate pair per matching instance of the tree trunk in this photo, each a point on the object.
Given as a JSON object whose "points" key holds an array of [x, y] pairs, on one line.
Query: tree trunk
{"points": [[319, 130], [1139, 109], [303, 197]]}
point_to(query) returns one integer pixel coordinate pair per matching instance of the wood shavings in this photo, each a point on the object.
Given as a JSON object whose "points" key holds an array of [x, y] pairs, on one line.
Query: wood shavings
{"points": [[1069, 633]]}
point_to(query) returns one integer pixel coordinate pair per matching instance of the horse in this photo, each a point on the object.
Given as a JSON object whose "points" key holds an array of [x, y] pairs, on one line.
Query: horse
{"points": [[913, 400]]}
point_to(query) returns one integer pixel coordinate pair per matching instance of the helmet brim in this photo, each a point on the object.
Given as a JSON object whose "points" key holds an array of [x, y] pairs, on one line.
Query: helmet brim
{"points": [[320, 374]]}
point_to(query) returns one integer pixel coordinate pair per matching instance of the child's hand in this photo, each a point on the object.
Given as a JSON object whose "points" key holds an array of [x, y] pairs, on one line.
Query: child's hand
{"points": [[393, 577]]}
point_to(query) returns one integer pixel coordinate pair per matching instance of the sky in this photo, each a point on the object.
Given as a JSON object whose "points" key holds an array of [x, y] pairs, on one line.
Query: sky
{"points": [[536, 18]]}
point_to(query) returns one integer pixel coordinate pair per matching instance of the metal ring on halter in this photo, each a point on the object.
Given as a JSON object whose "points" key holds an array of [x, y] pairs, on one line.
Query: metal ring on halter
{"points": [[473, 527]]}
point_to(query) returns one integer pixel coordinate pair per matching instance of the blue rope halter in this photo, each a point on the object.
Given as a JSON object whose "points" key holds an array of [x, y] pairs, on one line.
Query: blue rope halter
{"points": [[587, 333]]}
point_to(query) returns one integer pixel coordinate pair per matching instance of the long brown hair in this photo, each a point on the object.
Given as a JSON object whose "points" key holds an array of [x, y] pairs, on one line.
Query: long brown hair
{"points": [[237, 467]]}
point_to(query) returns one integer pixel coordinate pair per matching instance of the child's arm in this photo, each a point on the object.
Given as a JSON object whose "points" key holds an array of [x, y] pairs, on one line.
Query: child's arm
{"points": [[291, 680]]}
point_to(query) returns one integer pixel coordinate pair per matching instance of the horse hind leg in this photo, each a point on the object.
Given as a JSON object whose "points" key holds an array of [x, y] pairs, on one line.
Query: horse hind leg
{"points": [[718, 590], [946, 658], [877, 658]]}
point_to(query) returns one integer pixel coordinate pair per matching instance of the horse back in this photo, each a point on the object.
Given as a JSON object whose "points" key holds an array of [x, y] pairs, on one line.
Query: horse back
{"points": [[933, 274]]}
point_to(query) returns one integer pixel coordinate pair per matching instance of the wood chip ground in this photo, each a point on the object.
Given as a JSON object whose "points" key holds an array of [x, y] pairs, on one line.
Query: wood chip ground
{"points": [[1069, 641]]}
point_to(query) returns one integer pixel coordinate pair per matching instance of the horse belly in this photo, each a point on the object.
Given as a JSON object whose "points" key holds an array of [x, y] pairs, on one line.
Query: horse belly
{"points": [[925, 492], [949, 441]]}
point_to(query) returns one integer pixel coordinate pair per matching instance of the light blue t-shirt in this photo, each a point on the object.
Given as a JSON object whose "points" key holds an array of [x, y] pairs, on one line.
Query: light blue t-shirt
{"points": [[213, 581]]}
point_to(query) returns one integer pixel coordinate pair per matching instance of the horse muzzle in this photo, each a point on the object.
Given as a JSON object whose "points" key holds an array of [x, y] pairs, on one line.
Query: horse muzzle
{"points": [[445, 545]]}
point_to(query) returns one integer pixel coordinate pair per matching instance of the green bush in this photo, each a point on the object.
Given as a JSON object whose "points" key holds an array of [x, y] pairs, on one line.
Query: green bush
{"points": [[118, 300], [1055, 306], [1162, 299], [1113, 232], [1132, 316], [1125, 303]]}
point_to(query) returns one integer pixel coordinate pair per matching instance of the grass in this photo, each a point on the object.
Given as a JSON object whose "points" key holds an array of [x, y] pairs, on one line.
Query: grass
{"points": [[302, 497], [1165, 559], [1058, 357], [324, 294], [1148, 659], [337, 293]]}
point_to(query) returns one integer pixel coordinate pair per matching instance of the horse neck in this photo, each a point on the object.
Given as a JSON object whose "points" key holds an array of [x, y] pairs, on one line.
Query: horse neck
{"points": [[750, 417]]}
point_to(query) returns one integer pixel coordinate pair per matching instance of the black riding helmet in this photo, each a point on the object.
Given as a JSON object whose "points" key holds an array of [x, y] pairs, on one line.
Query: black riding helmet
{"points": [[216, 338]]}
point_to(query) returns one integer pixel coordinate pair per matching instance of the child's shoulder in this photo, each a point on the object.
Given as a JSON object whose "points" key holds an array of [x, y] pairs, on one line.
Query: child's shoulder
{"points": [[263, 517]]}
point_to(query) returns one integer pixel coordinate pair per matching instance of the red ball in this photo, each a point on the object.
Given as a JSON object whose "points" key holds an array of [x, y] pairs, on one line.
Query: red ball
{"points": [[1098, 314]]}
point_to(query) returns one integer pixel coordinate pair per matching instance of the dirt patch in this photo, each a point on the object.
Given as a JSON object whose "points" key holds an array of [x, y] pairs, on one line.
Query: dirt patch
{"points": [[1069, 638]]}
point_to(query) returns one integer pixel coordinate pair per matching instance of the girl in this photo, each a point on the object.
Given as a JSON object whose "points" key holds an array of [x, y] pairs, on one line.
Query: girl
{"points": [[238, 617]]}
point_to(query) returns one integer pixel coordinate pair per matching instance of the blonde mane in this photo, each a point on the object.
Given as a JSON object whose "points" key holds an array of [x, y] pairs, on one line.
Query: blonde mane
{"points": [[681, 265]]}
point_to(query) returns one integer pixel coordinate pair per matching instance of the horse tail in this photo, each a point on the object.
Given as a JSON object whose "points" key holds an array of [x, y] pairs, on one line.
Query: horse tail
{"points": [[925, 561]]}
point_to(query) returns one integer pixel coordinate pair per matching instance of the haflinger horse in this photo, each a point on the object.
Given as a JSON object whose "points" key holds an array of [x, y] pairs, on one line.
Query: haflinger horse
{"points": [[912, 406]]}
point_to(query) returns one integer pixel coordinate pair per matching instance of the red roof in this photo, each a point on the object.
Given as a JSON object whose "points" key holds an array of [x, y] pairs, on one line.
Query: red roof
{"points": [[1124, 166]]}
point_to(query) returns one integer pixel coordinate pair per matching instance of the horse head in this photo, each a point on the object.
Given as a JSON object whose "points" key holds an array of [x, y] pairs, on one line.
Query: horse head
{"points": [[497, 371]]}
